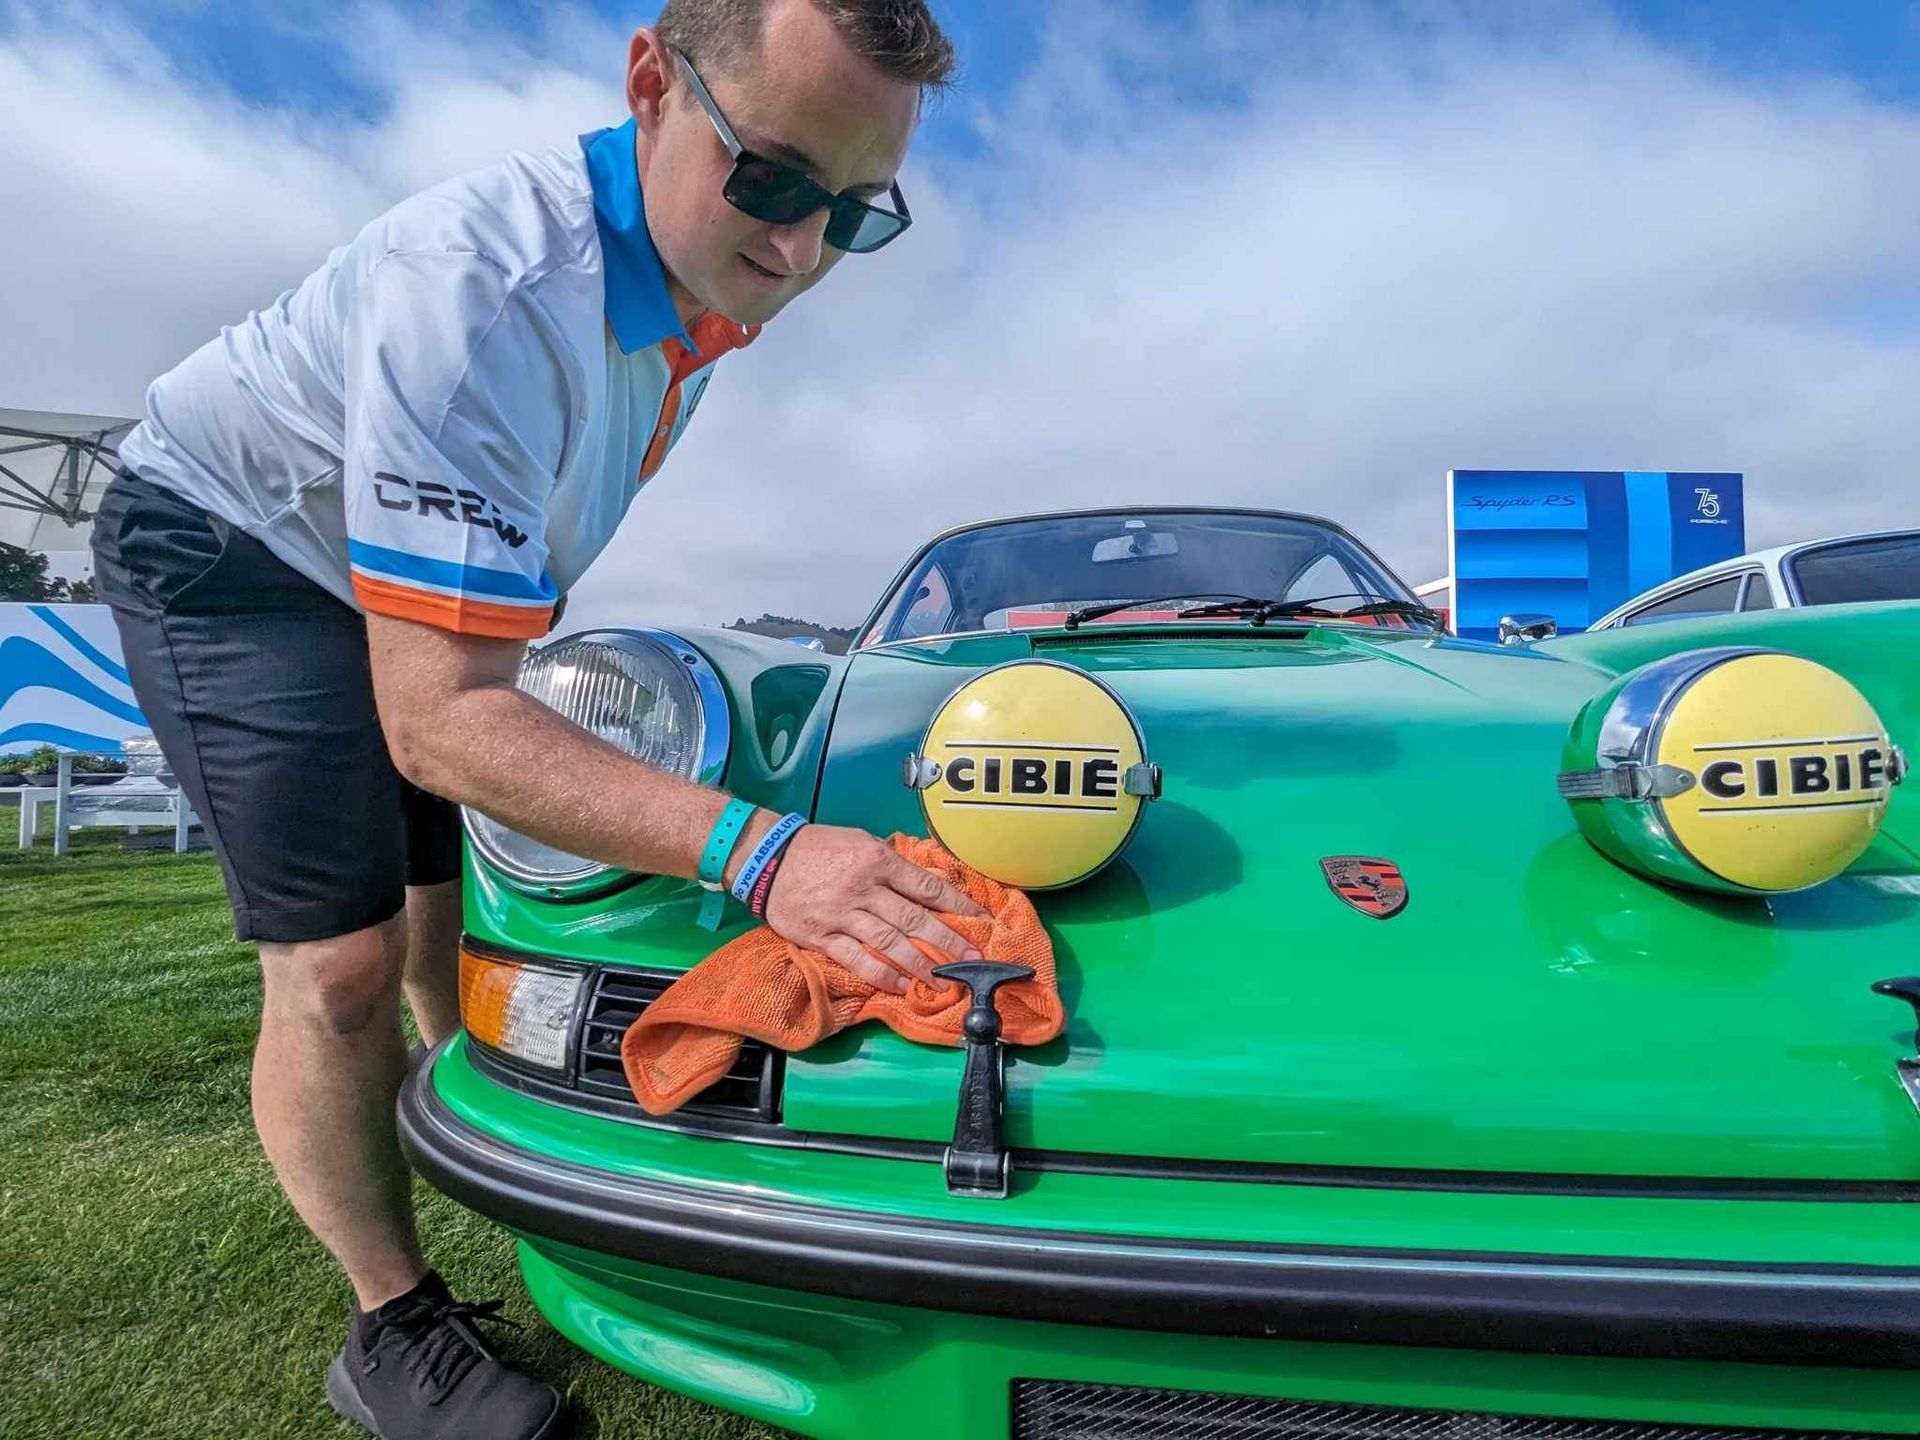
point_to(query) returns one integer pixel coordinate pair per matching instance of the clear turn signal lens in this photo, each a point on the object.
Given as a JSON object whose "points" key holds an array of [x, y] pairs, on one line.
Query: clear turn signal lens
{"points": [[526, 1011]]}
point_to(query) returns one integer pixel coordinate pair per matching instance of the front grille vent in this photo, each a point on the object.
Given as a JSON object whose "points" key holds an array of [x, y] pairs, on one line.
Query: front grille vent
{"points": [[1051, 1410], [748, 1091]]}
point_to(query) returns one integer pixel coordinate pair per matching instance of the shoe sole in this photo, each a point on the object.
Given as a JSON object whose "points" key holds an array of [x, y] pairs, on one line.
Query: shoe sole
{"points": [[345, 1401]]}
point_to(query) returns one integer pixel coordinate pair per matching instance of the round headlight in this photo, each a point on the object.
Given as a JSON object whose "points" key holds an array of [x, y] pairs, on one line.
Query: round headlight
{"points": [[647, 692]]}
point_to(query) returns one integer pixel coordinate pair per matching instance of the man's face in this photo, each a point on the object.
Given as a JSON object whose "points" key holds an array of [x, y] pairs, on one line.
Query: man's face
{"points": [[804, 100]]}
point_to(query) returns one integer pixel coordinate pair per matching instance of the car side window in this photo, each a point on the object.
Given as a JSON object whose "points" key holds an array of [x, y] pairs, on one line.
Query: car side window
{"points": [[1325, 576], [1885, 567], [931, 609], [1759, 594], [1717, 598]]}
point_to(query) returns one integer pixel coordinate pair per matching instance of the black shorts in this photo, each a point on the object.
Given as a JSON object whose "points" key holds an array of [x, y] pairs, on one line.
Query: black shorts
{"points": [[257, 685]]}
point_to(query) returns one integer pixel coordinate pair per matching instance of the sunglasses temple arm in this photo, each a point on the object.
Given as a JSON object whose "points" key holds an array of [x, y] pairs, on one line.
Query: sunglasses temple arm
{"points": [[727, 137]]}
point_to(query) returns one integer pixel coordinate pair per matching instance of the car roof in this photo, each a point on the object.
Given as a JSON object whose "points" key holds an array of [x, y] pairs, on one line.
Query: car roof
{"points": [[1769, 559]]}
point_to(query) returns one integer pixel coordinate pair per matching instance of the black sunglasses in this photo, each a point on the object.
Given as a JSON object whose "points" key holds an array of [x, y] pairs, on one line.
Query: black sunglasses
{"points": [[782, 195]]}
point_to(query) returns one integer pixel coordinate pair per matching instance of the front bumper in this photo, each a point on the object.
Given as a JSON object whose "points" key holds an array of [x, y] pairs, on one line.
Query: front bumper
{"points": [[1801, 1315], [810, 1314]]}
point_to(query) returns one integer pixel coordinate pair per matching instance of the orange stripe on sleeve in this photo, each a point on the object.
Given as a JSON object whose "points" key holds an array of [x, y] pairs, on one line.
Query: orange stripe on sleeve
{"points": [[458, 613]]}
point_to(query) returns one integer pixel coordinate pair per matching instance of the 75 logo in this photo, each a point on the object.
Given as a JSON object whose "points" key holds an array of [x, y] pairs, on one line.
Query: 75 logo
{"points": [[1709, 502]]}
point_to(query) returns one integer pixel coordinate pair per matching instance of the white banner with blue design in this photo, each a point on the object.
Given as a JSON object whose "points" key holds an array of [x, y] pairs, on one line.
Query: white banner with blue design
{"points": [[62, 680]]}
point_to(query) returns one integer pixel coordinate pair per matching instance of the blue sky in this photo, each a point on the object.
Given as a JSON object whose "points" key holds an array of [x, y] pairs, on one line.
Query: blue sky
{"points": [[287, 55], [1874, 44], [1303, 255]]}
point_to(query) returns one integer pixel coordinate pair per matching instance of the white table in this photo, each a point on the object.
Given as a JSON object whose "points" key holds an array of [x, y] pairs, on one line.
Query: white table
{"points": [[32, 797], [144, 807]]}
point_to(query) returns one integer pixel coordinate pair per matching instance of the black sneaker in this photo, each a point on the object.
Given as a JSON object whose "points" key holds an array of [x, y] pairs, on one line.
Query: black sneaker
{"points": [[415, 1369]]}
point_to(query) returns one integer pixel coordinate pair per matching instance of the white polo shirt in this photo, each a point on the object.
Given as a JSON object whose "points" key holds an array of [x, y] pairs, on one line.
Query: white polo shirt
{"points": [[447, 420]]}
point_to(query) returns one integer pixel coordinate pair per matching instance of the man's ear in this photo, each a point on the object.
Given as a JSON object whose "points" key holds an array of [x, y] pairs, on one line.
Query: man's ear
{"points": [[649, 77]]}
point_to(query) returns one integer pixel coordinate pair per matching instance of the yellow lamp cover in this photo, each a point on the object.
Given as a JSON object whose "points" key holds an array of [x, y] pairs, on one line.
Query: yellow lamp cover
{"points": [[1743, 770], [1034, 773], [1793, 769]]}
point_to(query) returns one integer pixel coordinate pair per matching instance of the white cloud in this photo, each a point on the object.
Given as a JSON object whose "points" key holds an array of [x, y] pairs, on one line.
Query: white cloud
{"points": [[1475, 236]]}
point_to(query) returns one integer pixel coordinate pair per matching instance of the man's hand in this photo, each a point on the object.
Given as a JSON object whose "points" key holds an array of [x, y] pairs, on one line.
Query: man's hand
{"points": [[851, 897]]}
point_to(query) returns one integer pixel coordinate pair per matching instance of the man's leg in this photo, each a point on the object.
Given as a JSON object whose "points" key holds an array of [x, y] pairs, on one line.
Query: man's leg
{"points": [[433, 959], [432, 873], [256, 683], [326, 1074]]}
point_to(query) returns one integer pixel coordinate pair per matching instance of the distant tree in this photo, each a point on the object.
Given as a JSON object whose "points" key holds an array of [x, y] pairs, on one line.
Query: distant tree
{"points": [[786, 627], [23, 576]]}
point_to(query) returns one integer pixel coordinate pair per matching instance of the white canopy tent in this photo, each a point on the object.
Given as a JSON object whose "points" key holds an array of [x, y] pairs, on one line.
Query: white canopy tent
{"points": [[53, 468]]}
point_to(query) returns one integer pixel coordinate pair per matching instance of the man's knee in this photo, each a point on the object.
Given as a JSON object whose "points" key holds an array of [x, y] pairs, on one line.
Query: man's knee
{"points": [[340, 985]]}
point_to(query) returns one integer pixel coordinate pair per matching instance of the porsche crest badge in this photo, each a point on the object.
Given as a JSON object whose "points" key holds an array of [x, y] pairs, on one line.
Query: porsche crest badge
{"points": [[1373, 887]]}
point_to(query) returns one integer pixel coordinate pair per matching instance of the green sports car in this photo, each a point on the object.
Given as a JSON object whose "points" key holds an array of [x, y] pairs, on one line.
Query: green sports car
{"points": [[1463, 1040]]}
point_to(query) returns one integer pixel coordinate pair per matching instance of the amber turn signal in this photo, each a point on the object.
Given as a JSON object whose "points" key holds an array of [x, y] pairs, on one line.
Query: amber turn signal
{"points": [[526, 1011]]}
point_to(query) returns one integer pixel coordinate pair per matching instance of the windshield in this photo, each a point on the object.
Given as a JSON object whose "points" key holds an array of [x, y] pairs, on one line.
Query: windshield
{"points": [[1026, 573], [1884, 568]]}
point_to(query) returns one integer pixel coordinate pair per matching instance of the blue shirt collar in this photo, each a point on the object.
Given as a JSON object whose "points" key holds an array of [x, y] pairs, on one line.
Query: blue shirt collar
{"points": [[639, 309]]}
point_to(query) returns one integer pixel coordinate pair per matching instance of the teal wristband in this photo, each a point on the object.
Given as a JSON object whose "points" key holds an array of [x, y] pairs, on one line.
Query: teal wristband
{"points": [[712, 875]]}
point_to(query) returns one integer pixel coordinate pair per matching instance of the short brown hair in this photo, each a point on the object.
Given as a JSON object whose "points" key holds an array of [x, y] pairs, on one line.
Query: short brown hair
{"points": [[900, 38]]}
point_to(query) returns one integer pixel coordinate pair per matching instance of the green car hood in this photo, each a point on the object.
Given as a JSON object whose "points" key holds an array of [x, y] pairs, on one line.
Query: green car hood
{"points": [[1533, 1009]]}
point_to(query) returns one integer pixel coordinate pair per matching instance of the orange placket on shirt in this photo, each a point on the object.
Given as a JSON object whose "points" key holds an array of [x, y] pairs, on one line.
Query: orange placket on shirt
{"points": [[714, 335], [663, 431]]}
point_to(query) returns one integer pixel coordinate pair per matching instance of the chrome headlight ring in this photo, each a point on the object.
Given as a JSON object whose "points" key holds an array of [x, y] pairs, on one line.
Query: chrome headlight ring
{"points": [[699, 752]]}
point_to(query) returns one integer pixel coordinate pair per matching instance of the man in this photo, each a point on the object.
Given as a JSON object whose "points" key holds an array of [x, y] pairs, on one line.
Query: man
{"points": [[344, 518]]}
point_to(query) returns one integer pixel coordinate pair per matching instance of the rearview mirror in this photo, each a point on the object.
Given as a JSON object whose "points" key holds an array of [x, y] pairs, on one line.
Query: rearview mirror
{"points": [[1136, 545], [1526, 628]]}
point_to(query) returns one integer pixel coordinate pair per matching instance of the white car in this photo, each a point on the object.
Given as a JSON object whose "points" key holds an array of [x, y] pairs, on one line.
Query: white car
{"points": [[1840, 571]]}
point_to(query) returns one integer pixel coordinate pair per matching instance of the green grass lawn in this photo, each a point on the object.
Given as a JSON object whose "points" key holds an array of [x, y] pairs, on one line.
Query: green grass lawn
{"points": [[153, 1280]]}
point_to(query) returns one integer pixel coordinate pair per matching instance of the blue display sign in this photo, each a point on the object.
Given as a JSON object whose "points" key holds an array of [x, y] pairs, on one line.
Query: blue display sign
{"points": [[1573, 544]]}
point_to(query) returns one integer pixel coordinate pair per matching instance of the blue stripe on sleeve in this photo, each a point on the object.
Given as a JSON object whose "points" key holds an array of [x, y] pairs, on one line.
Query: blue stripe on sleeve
{"points": [[450, 575]]}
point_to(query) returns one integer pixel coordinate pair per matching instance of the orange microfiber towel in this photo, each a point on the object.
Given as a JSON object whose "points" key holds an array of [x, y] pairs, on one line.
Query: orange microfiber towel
{"points": [[762, 987]]}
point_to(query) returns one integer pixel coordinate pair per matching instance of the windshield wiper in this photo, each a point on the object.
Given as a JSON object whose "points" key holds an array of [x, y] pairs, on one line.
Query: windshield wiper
{"points": [[1413, 610], [1076, 618], [1261, 611]]}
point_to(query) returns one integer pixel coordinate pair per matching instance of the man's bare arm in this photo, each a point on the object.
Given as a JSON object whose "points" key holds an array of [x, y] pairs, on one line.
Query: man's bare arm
{"points": [[458, 728]]}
